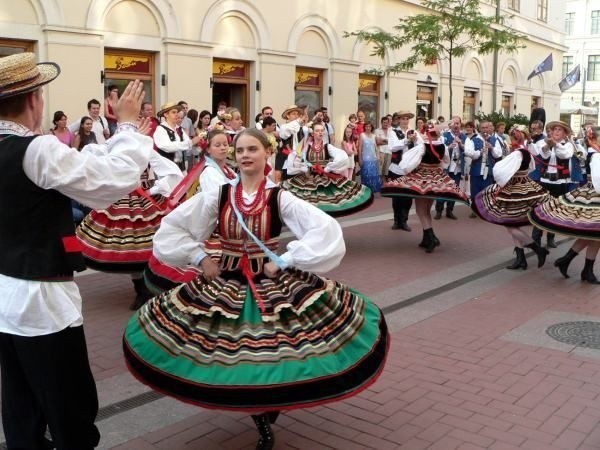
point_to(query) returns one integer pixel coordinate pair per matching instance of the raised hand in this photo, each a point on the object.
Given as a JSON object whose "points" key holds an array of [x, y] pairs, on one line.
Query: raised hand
{"points": [[144, 126], [129, 104]]}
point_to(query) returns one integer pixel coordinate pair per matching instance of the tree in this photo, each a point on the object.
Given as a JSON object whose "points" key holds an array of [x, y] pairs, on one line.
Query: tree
{"points": [[450, 29]]}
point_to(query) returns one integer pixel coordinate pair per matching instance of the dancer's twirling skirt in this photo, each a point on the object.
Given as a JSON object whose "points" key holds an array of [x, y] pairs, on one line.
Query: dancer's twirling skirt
{"points": [[161, 277], [119, 238], [576, 213], [426, 181], [337, 196], [508, 206], [295, 341]]}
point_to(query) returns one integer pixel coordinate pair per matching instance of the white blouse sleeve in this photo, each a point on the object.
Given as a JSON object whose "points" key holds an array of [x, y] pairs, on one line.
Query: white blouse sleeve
{"points": [[595, 171], [507, 167], [340, 160], [411, 158], [94, 178], [211, 179], [319, 246], [168, 175], [162, 141], [180, 239]]}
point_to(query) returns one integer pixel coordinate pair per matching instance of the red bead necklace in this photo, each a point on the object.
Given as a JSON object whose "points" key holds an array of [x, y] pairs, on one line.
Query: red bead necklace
{"points": [[256, 206]]}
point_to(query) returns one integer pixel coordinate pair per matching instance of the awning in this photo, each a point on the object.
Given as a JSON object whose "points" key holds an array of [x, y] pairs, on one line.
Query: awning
{"points": [[570, 107]]}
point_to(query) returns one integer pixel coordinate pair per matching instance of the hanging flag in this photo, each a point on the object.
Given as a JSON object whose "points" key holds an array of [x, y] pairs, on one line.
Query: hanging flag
{"points": [[571, 79], [544, 66]]}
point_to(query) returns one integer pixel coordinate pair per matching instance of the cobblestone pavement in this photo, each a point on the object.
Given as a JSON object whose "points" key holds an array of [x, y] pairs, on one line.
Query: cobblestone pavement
{"points": [[470, 367]]}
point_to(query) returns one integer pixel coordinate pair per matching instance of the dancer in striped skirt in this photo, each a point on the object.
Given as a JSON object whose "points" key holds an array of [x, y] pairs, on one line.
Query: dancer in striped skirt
{"points": [[514, 194], [425, 180], [119, 238], [256, 333], [318, 172], [161, 277], [577, 214]]}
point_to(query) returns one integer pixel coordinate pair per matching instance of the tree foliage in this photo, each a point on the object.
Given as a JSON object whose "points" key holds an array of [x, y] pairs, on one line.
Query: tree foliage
{"points": [[496, 117], [449, 29]]}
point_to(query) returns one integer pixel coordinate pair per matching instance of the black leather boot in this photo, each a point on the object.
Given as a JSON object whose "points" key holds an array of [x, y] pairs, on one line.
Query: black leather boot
{"points": [[550, 242], [423, 242], [263, 425], [430, 244], [436, 241], [563, 262], [587, 274], [540, 251], [438, 214], [450, 214], [520, 262]]}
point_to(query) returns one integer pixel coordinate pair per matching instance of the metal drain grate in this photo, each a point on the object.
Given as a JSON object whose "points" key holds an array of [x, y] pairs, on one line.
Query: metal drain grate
{"points": [[128, 404], [581, 334]]}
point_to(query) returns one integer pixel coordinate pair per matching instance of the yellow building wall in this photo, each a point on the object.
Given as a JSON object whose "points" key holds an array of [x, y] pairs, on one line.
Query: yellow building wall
{"points": [[274, 38]]}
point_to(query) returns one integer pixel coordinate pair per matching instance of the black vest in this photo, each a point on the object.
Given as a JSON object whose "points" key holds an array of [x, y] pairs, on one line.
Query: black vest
{"points": [[172, 137], [37, 234], [289, 142], [397, 156]]}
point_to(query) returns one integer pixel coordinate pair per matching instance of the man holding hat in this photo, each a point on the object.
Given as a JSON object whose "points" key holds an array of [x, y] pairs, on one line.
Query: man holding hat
{"points": [[46, 378], [554, 154], [401, 139], [167, 138]]}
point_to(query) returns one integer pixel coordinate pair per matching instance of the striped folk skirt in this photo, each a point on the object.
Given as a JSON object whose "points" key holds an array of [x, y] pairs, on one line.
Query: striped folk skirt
{"points": [[119, 238], [509, 205], [294, 341], [337, 196], [426, 181], [576, 214]]}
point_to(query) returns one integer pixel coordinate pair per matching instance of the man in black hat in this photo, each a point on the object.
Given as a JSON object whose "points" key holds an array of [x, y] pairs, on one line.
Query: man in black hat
{"points": [[46, 377]]}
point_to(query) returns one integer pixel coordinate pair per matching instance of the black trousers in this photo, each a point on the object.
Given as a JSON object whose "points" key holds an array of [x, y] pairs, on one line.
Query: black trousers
{"points": [[47, 381], [400, 205]]}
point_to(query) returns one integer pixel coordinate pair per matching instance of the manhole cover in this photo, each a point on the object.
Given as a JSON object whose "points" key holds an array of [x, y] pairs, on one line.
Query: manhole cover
{"points": [[580, 334]]}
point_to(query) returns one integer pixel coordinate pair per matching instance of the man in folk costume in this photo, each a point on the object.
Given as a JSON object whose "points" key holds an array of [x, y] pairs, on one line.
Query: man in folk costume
{"points": [[554, 155], [482, 153], [401, 140], [292, 134], [454, 139], [166, 138], [46, 377]]}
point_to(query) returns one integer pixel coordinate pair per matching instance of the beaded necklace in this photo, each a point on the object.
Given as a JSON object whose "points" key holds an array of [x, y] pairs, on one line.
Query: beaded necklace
{"points": [[256, 206]]}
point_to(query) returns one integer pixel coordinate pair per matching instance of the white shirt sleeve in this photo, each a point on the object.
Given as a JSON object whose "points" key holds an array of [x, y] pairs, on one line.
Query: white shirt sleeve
{"points": [[180, 239], [507, 167], [168, 175], [162, 141], [497, 149], [92, 178], [470, 151], [340, 160], [319, 246], [288, 129], [411, 158]]}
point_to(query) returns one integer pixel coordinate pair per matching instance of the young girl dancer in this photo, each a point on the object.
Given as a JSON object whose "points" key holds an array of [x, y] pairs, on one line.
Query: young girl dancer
{"points": [[508, 201], [577, 213], [256, 333]]}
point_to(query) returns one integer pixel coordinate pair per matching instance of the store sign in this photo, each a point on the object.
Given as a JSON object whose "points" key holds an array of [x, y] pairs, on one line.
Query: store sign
{"points": [[229, 69], [308, 78], [127, 63]]}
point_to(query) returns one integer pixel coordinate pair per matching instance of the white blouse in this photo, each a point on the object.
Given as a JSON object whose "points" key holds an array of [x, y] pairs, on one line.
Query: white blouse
{"points": [[319, 246], [162, 141], [595, 171], [212, 178], [339, 164]]}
